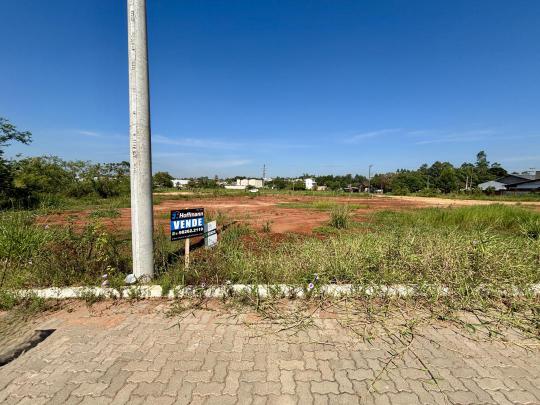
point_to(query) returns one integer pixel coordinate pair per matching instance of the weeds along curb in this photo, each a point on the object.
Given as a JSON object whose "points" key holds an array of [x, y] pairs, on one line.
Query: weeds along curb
{"points": [[262, 291]]}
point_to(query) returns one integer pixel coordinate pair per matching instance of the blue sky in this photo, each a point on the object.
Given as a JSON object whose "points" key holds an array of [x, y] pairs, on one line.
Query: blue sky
{"points": [[301, 86]]}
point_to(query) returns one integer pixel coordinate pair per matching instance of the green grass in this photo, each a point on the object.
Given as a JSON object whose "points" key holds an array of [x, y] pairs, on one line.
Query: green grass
{"points": [[496, 218], [427, 243], [320, 205], [106, 213], [341, 217], [33, 254], [518, 197], [476, 251]]}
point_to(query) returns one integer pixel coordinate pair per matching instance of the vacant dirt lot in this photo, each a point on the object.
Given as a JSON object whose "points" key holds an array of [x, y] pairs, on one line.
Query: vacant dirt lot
{"points": [[256, 211]]}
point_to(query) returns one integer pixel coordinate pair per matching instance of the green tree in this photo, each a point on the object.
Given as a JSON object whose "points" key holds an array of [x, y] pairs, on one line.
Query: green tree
{"points": [[278, 183], [296, 185], [8, 134], [497, 170], [109, 179], [448, 181], [162, 180], [406, 181], [482, 167], [382, 181], [203, 182], [45, 174]]}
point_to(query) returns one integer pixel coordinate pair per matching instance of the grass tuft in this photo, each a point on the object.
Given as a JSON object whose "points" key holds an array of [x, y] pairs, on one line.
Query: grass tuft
{"points": [[341, 217]]}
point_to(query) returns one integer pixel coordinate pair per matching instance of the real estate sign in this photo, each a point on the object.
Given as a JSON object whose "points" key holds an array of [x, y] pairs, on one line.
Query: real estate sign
{"points": [[210, 234], [187, 223]]}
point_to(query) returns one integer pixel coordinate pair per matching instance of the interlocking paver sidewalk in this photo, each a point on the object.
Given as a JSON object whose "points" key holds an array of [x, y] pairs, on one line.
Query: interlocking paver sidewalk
{"points": [[134, 353]]}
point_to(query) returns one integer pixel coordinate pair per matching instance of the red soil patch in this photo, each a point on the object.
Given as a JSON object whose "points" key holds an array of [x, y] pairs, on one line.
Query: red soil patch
{"points": [[255, 212]]}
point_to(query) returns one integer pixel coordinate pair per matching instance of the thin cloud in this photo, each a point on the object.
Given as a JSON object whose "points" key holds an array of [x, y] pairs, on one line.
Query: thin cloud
{"points": [[194, 142], [371, 134], [226, 163], [521, 159], [90, 133], [450, 137], [104, 135], [214, 144], [279, 144], [171, 154]]}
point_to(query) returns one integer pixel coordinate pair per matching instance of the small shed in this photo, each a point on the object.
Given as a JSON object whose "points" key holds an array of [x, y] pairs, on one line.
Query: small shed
{"points": [[498, 186], [180, 183]]}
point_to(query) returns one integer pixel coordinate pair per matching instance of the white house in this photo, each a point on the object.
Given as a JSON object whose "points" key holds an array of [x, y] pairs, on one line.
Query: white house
{"points": [[258, 183], [180, 183], [310, 184]]}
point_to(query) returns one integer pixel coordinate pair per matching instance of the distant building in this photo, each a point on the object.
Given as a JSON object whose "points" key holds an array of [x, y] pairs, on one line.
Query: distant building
{"points": [[321, 188], [235, 187], [310, 184], [180, 183], [514, 183], [351, 189], [257, 183], [528, 187]]}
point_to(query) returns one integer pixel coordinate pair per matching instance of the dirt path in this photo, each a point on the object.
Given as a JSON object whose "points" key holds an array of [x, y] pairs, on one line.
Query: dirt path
{"points": [[447, 202]]}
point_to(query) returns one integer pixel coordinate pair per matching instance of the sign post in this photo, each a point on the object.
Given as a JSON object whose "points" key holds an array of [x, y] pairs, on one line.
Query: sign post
{"points": [[186, 224], [186, 253]]}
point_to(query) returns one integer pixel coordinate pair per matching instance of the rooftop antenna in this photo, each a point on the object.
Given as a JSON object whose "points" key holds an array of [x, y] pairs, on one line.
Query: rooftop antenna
{"points": [[142, 216]]}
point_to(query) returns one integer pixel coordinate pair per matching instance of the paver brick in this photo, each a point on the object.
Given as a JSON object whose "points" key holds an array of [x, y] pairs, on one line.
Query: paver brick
{"points": [[324, 387], [403, 398], [307, 375], [143, 376], [211, 357], [198, 376], [208, 388], [291, 365], [361, 374], [266, 388], [521, 397], [288, 385], [253, 376], [87, 389], [463, 397], [123, 395]]}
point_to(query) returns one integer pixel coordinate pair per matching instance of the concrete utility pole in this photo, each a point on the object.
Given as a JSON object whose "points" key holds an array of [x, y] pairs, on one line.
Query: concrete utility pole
{"points": [[142, 216]]}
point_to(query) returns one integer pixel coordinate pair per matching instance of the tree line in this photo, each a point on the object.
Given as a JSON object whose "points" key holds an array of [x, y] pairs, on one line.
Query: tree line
{"points": [[440, 177], [25, 181]]}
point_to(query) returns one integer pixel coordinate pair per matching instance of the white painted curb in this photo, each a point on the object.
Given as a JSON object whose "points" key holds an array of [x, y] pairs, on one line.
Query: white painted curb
{"points": [[263, 291]]}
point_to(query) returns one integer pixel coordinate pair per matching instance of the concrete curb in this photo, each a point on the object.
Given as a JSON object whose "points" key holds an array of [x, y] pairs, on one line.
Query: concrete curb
{"points": [[263, 291]]}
